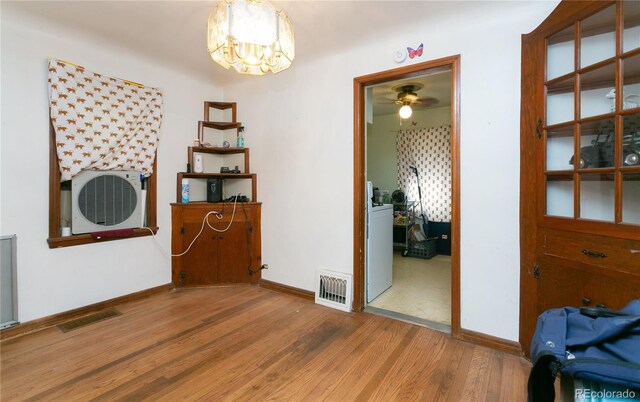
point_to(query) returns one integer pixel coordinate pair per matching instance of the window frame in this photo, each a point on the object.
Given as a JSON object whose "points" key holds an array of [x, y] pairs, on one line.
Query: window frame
{"points": [[55, 239]]}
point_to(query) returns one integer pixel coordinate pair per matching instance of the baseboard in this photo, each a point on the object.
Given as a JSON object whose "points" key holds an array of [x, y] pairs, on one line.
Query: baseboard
{"points": [[492, 342], [278, 287], [49, 321]]}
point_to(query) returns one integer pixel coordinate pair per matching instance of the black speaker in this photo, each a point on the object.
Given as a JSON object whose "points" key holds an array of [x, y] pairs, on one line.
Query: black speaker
{"points": [[214, 189]]}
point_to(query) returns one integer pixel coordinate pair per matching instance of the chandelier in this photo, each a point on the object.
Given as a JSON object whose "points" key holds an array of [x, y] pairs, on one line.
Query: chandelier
{"points": [[251, 36]]}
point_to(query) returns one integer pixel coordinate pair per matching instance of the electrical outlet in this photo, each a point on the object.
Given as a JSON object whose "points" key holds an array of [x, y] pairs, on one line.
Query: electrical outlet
{"points": [[444, 236]]}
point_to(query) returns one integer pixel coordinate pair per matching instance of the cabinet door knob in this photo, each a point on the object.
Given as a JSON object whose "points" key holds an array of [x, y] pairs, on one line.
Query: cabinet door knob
{"points": [[586, 301], [593, 254]]}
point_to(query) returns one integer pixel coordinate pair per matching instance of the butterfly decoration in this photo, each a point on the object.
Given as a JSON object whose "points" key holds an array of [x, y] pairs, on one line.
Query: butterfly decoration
{"points": [[415, 52]]}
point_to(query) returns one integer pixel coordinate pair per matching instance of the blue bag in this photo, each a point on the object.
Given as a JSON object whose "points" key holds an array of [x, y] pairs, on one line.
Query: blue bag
{"points": [[589, 343]]}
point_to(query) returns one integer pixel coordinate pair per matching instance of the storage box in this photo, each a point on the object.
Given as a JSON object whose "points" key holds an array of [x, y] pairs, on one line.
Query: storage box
{"points": [[422, 249]]}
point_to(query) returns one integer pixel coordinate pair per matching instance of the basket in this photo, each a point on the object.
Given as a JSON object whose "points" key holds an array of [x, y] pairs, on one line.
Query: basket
{"points": [[422, 249]]}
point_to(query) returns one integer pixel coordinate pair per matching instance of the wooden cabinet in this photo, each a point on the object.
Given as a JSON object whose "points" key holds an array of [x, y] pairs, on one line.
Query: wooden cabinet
{"points": [[216, 257], [227, 245], [580, 163]]}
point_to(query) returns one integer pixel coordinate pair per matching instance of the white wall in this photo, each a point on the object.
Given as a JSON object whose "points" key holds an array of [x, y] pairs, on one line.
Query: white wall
{"points": [[52, 281], [382, 167], [300, 131]]}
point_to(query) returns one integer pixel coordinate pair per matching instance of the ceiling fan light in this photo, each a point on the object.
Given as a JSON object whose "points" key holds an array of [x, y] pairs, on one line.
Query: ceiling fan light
{"points": [[405, 111]]}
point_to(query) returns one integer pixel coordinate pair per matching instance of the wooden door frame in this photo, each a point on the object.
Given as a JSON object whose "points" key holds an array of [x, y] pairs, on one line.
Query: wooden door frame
{"points": [[359, 83]]}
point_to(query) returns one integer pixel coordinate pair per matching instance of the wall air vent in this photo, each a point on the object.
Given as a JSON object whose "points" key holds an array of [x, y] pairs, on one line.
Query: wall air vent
{"points": [[334, 289], [106, 200]]}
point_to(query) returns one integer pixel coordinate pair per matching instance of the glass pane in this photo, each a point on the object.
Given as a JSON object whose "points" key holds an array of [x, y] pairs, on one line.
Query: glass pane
{"points": [[631, 88], [597, 195], [560, 148], [598, 37], [560, 196], [631, 140], [597, 91], [560, 53], [597, 144], [560, 104], [631, 198], [631, 34]]}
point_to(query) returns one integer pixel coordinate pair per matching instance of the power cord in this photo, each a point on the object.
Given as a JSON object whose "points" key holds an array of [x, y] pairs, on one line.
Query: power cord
{"points": [[248, 230], [205, 219]]}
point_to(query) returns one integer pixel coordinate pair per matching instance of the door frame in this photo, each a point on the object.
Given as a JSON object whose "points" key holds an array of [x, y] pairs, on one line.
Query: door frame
{"points": [[359, 214]]}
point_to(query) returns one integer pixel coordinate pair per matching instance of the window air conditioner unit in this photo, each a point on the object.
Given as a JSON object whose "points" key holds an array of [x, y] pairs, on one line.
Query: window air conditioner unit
{"points": [[106, 200]]}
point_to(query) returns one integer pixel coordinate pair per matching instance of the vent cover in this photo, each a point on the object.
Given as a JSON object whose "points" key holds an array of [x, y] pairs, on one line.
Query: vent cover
{"points": [[106, 201], [334, 289]]}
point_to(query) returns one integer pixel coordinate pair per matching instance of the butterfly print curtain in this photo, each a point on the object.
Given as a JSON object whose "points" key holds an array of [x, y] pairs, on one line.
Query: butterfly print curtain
{"points": [[102, 123], [430, 151]]}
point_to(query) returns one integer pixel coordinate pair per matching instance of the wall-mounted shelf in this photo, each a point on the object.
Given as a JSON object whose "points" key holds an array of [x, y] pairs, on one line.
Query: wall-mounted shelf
{"points": [[216, 125], [208, 105], [219, 151]]}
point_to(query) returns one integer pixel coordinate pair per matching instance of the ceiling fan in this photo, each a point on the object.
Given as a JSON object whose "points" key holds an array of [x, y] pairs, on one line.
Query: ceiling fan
{"points": [[408, 97]]}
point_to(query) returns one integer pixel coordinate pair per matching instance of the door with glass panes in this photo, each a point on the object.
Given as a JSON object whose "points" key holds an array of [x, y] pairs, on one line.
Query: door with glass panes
{"points": [[580, 183]]}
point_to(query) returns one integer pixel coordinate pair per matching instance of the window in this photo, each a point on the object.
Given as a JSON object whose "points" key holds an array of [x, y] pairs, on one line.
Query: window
{"points": [[56, 188]]}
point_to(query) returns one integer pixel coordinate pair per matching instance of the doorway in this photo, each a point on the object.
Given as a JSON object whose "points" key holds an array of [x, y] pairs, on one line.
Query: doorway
{"points": [[399, 79]]}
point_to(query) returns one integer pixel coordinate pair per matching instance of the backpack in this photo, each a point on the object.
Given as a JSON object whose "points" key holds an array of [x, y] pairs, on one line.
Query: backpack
{"points": [[594, 344]]}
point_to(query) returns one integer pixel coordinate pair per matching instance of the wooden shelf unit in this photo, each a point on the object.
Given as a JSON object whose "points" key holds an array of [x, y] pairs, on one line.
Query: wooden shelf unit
{"points": [[219, 151], [208, 105], [216, 257], [216, 125], [225, 176]]}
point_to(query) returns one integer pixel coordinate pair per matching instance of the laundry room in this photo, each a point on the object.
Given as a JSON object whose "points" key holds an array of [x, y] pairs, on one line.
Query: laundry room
{"points": [[408, 170]]}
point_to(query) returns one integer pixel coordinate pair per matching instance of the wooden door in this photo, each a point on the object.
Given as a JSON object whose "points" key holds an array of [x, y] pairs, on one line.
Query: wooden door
{"points": [[199, 265], [234, 259]]}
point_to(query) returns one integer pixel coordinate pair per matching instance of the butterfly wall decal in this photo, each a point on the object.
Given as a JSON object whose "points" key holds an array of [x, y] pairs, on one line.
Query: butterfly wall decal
{"points": [[415, 52]]}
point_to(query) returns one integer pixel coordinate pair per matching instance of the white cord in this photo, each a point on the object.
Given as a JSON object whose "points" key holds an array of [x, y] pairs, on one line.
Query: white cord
{"points": [[204, 220]]}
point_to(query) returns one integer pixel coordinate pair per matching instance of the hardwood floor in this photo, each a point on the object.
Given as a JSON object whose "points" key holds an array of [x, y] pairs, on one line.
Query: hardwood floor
{"points": [[250, 343]]}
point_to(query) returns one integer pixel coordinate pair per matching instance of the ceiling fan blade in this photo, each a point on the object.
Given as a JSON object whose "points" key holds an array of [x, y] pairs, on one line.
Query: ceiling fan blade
{"points": [[387, 101], [425, 102]]}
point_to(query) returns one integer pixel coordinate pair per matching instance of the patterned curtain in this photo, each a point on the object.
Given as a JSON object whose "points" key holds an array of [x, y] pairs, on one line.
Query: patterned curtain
{"points": [[102, 123], [430, 151]]}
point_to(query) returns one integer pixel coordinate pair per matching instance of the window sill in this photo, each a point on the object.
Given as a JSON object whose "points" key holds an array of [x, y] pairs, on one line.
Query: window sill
{"points": [[76, 240]]}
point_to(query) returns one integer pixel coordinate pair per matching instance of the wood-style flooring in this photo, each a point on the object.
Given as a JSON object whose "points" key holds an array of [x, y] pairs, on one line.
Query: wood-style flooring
{"points": [[249, 343]]}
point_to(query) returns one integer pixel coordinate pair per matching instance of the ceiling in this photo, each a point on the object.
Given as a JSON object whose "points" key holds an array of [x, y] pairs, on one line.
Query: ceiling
{"points": [[174, 32], [436, 84]]}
